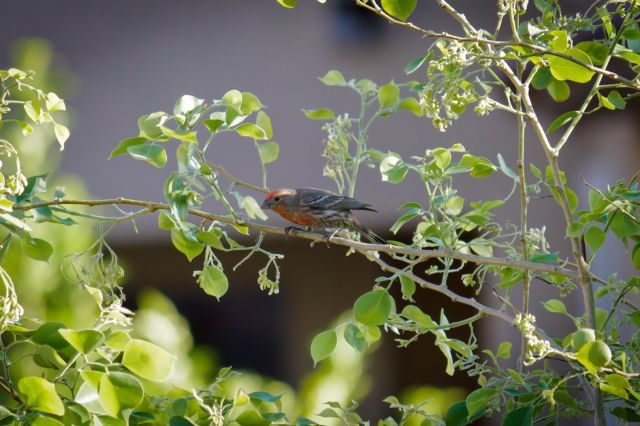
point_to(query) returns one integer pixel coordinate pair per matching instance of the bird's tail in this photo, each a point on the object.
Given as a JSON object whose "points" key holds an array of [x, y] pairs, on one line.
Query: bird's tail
{"points": [[371, 236]]}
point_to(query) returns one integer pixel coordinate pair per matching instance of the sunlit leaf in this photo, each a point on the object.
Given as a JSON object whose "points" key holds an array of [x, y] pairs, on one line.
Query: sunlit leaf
{"points": [[333, 78], [354, 337], [62, 134], [289, 4], [374, 307], [147, 360], [400, 9], [322, 345], [84, 341], [566, 69], [388, 95], [555, 306], [37, 248], [319, 114], [213, 281], [152, 153], [269, 152], [40, 394], [478, 400]]}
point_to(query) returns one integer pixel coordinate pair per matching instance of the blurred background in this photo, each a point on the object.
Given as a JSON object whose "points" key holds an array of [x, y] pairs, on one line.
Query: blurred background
{"points": [[115, 61]]}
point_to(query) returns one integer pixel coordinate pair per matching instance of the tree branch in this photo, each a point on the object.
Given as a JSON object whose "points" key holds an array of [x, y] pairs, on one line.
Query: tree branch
{"points": [[362, 247]]}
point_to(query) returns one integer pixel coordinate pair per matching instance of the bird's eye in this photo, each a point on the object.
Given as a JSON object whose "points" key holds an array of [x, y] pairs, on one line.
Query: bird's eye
{"points": [[276, 199]]}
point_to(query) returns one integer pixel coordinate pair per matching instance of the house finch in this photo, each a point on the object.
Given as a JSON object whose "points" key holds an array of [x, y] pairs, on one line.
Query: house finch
{"points": [[319, 209]]}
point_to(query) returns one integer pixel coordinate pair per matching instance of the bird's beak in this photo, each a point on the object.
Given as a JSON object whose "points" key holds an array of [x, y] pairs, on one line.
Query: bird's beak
{"points": [[265, 204]]}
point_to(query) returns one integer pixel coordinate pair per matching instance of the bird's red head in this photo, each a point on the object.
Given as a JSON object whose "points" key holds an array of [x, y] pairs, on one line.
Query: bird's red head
{"points": [[275, 198]]}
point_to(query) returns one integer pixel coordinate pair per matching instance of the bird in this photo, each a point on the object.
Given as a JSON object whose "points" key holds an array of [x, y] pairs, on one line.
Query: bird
{"points": [[319, 209]]}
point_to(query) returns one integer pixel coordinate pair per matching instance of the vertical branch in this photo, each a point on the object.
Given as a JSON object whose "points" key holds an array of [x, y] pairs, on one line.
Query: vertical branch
{"points": [[361, 144], [524, 206], [584, 278], [552, 159]]}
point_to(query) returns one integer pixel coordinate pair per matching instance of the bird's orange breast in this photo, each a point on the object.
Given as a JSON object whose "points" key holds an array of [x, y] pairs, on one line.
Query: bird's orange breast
{"points": [[299, 218]]}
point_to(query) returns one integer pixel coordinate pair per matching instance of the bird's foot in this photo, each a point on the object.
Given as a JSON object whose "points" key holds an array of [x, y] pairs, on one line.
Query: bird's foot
{"points": [[292, 231]]}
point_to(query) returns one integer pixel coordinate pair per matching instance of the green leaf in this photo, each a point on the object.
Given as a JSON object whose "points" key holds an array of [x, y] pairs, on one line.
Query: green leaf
{"points": [[10, 220], [213, 281], [264, 122], [322, 345], [26, 128], [126, 143], [269, 152], [559, 90], [407, 287], [54, 103], [34, 111], [117, 340], [45, 421], [400, 9], [410, 214], [40, 394], [152, 153], [147, 360], [565, 69], [289, 4], [388, 95], [442, 157], [542, 79], [118, 392], [504, 350], [374, 307], [480, 167], [251, 417], [319, 114], [393, 169], [535, 171], [416, 63], [506, 169], [181, 136], [478, 399], [561, 120], [544, 257], [62, 134], [627, 55], [333, 78], [574, 229], [560, 40], [185, 245], [149, 125], [213, 124], [615, 98], [186, 104], [165, 221], [250, 103], [597, 52], [211, 238], [605, 102], [572, 199], [457, 414], [522, 416], [354, 337], [37, 248], [233, 99], [415, 314], [555, 306], [83, 341], [411, 104], [47, 334], [250, 130]]}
